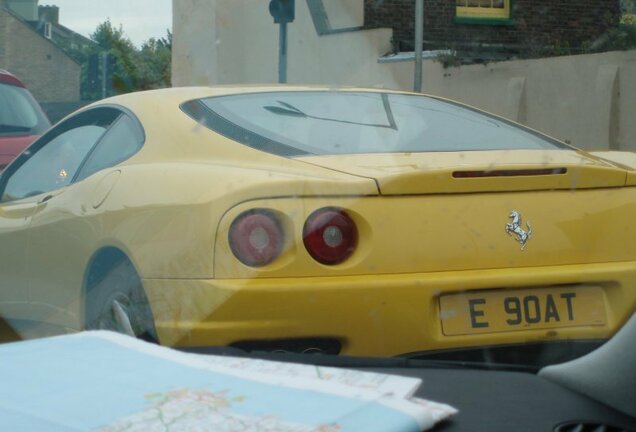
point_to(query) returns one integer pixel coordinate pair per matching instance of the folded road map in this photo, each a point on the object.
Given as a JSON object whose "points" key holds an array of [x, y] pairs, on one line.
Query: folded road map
{"points": [[104, 381]]}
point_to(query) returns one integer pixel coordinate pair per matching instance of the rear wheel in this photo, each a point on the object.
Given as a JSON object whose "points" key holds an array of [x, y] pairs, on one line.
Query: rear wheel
{"points": [[115, 300]]}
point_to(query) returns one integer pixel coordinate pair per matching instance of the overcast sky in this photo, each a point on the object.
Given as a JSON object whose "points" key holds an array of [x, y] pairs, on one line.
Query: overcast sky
{"points": [[141, 19]]}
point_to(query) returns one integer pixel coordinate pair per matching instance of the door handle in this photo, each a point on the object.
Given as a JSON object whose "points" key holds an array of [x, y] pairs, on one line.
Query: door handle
{"points": [[49, 196], [46, 198]]}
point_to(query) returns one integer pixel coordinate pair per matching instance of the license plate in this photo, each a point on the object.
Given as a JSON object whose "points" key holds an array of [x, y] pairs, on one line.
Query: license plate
{"points": [[510, 310]]}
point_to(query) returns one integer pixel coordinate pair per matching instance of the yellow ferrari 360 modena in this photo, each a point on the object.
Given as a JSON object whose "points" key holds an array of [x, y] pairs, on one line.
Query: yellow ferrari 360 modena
{"points": [[362, 222]]}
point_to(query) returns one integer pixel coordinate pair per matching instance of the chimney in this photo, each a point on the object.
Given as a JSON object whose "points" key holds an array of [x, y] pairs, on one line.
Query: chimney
{"points": [[26, 9], [50, 14]]}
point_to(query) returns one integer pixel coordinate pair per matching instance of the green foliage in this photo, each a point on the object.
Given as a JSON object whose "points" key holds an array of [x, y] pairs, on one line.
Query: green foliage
{"points": [[618, 39], [135, 69], [628, 6], [112, 40], [449, 60], [154, 65], [629, 19]]}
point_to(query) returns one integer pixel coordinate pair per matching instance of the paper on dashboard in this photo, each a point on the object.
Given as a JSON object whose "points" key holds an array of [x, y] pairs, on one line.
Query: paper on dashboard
{"points": [[113, 383]]}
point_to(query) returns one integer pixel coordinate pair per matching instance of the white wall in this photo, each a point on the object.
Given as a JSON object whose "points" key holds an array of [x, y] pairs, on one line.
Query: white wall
{"points": [[240, 36], [194, 43], [589, 100]]}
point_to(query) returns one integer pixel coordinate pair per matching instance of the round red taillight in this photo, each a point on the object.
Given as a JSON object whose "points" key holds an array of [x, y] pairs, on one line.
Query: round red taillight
{"points": [[330, 236], [256, 238]]}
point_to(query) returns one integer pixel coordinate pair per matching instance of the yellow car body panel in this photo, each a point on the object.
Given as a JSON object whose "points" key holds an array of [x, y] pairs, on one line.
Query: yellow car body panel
{"points": [[370, 315], [476, 171], [451, 232], [423, 232]]}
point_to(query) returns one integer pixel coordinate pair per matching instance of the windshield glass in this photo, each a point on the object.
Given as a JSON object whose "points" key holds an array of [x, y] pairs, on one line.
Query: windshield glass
{"points": [[322, 123], [19, 113]]}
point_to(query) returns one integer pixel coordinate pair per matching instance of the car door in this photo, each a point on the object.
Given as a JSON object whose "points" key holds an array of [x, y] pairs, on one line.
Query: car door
{"points": [[66, 231], [37, 178], [15, 217]]}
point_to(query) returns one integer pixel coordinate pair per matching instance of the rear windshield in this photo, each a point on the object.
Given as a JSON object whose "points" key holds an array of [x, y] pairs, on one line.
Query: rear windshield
{"points": [[19, 112], [329, 123]]}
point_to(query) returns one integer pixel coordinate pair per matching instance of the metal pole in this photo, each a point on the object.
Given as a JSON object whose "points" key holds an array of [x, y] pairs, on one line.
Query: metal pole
{"points": [[104, 66], [419, 37], [282, 53]]}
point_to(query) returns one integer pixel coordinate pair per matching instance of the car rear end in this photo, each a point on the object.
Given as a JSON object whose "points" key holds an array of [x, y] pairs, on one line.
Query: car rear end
{"points": [[21, 118], [512, 239]]}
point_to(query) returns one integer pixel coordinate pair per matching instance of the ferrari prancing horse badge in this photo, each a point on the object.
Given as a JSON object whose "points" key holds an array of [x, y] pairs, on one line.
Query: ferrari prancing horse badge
{"points": [[515, 229]]}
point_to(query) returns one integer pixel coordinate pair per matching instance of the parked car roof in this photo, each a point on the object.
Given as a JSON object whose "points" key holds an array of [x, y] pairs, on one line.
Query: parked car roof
{"points": [[7, 77]]}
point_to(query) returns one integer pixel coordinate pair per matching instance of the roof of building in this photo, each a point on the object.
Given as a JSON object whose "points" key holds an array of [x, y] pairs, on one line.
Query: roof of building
{"points": [[60, 30], [27, 24]]}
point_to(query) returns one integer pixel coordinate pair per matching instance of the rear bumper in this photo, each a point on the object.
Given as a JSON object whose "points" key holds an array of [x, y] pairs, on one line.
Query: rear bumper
{"points": [[382, 315]]}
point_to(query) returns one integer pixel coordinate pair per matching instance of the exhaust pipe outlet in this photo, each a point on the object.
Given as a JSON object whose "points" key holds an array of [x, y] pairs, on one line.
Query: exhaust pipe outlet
{"points": [[313, 350], [301, 345]]}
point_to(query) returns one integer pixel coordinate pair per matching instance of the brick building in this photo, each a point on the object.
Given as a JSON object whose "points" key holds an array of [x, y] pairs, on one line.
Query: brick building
{"points": [[48, 24], [513, 25], [50, 74]]}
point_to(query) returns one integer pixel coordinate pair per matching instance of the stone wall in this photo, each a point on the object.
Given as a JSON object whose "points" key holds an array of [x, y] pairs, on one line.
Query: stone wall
{"points": [[534, 25], [48, 73], [587, 100]]}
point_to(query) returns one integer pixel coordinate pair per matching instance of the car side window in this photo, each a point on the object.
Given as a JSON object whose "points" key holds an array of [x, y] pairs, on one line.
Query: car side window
{"points": [[122, 140], [53, 161]]}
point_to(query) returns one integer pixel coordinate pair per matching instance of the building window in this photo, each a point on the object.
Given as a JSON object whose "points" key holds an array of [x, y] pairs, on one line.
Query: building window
{"points": [[488, 9], [47, 30]]}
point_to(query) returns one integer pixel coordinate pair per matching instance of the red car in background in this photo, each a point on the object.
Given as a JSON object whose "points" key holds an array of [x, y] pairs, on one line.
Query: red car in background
{"points": [[21, 118]]}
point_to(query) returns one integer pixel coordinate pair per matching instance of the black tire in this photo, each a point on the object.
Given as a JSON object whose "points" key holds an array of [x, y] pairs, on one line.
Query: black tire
{"points": [[115, 300]]}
